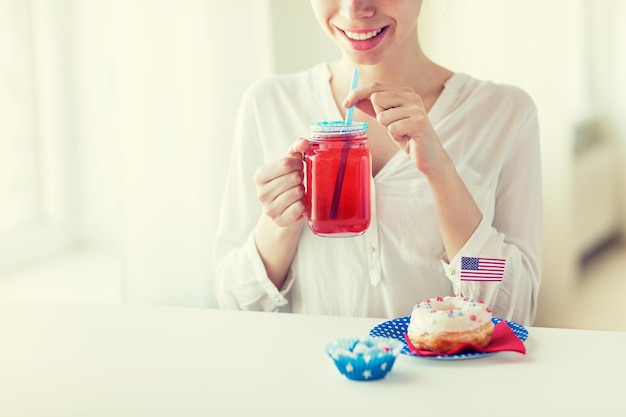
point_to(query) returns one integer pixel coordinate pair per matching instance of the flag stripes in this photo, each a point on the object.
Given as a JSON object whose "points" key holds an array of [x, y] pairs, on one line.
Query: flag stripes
{"points": [[482, 269]]}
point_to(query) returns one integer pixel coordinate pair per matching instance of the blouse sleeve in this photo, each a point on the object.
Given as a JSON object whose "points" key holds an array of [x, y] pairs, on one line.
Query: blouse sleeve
{"points": [[514, 236], [241, 280]]}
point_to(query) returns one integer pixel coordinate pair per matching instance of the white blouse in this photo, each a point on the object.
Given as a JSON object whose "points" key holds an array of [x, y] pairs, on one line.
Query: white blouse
{"points": [[491, 133]]}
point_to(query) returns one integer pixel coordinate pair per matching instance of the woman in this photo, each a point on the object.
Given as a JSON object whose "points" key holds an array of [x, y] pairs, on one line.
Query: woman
{"points": [[456, 173]]}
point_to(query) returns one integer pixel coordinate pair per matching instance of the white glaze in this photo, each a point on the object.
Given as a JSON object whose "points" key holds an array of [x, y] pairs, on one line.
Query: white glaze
{"points": [[448, 314]]}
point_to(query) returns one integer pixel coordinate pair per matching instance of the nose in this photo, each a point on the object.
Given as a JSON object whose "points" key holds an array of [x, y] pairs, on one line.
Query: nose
{"points": [[357, 9]]}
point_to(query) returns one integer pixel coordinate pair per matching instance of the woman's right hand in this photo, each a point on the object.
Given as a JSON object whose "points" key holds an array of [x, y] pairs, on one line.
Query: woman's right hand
{"points": [[280, 188]]}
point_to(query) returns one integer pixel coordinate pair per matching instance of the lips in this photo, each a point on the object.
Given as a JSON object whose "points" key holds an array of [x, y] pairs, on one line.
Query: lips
{"points": [[363, 40]]}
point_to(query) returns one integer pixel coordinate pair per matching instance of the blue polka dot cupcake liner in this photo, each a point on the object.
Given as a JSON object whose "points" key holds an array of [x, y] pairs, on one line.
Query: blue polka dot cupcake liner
{"points": [[364, 358]]}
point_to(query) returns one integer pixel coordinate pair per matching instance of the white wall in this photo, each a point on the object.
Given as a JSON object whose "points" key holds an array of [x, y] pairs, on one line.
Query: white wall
{"points": [[613, 93], [298, 40], [96, 144]]}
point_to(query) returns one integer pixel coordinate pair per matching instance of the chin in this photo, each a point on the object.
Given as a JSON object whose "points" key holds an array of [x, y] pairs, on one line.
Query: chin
{"points": [[364, 58]]}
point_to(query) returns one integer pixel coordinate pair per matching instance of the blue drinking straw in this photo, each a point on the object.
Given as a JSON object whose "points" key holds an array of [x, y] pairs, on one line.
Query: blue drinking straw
{"points": [[355, 83], [341, 171]]}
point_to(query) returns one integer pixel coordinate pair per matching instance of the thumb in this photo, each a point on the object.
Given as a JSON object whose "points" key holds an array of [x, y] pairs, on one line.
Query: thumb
{"points": [[366, 107], [300, 146]]}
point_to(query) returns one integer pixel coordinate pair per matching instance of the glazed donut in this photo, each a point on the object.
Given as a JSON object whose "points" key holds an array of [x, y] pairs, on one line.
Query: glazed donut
{"points": [[443, 324]]}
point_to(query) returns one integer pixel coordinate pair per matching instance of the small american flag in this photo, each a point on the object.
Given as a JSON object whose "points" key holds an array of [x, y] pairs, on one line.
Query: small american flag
{"points": [[482, 269]]}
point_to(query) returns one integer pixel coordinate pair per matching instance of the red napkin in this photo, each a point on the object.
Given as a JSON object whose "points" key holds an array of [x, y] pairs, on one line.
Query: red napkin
{"points": [[503, 339]]}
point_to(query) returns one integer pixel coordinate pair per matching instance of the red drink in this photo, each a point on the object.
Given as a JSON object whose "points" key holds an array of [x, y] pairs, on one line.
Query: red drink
{"points": [[338, 175]]}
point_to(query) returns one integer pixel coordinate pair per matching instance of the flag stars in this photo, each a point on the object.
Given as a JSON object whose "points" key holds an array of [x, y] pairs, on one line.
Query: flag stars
{"points": [[482, 269]]}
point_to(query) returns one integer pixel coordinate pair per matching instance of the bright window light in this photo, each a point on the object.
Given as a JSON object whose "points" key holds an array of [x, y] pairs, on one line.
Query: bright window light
{"points": [[19, 174]]}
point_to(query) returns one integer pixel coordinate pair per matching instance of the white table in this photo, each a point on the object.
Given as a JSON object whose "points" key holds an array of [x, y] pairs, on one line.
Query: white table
{"points": [[62, 359]]}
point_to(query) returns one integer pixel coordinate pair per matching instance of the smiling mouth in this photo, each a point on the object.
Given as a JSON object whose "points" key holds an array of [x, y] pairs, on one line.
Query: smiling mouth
{"points": [[363, 36]]}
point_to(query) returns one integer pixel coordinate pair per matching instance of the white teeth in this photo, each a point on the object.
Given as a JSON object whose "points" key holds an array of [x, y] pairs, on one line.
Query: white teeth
{"points": [[362, 36]]}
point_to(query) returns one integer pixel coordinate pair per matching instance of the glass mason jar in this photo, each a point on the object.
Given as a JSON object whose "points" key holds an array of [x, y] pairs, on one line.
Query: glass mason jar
{"points": [[338, 173]]}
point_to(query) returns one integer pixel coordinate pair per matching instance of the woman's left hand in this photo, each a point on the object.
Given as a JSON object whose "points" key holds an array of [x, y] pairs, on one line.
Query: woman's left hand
{"points": [[401, 111]]}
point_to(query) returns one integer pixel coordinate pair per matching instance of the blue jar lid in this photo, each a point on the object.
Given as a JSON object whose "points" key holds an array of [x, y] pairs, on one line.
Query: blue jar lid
{"points": [[337, 127]]}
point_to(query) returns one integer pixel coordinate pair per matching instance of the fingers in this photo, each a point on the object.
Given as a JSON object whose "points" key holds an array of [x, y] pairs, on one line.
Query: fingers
{"points": [[408, 100], [292, 161], [387, 104], [365, 105], [293, 209], [365, 92], [279, 185], [361, 98], [399, 110], [403, 123], [277, 178], [280, 190], [361, 93]]}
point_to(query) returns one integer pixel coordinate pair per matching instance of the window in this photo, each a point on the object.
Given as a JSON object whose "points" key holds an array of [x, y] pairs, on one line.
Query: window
{"points": [[34, 208], [20, 189]]}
